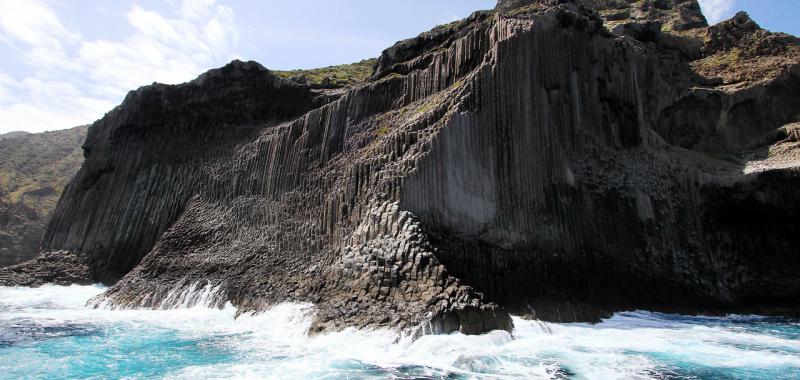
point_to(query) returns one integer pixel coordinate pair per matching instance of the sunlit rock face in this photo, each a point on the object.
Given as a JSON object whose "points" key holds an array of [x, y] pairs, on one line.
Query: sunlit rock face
{"points": [[550, 158]]}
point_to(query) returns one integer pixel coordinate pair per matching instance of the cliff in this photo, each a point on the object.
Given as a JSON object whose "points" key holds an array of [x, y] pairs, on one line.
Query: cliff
{"points": [[557, 159], [34, 168]]}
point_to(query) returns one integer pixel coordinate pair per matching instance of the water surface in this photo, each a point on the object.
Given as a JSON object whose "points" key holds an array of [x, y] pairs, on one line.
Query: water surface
{"points": [[49, 333]]}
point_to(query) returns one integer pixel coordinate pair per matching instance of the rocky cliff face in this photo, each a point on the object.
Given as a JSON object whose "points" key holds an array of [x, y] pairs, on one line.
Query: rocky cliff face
{"points": [[34, 168], [559, 159]]}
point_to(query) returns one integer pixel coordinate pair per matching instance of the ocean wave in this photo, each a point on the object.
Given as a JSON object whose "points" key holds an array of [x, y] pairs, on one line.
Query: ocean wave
{"points": [[49, 332]]}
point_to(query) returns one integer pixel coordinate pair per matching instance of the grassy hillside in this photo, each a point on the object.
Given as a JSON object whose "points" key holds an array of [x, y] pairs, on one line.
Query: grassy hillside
{"points": [[334, 76]]}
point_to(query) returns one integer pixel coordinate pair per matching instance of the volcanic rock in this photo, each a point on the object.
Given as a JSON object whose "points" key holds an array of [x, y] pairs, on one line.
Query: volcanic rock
{"points": [[535, 160]]}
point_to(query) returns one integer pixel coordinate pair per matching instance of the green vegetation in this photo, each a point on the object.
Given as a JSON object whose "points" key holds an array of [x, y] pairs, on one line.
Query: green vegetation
{"points": [[426, 107], [382, 130], [721, 60], [393, 76], [526, 10], [447, 25], [337, 76]]}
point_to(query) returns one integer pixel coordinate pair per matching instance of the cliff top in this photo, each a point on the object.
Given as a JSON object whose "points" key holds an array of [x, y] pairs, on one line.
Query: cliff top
{"points": [[740, 52], [678, 15], [331, 76], [732, 54]]}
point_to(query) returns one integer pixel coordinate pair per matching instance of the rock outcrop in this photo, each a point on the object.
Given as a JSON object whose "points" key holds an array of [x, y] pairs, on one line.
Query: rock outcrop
{"points": [[558, 159], [34, 168]]}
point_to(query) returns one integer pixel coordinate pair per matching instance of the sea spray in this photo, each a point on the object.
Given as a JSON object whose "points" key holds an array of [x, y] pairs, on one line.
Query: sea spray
{"points": [[184, 294], [48, 332]]}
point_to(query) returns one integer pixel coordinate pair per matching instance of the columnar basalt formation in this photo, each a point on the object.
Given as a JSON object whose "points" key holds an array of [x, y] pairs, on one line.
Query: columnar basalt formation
{"points": [[558, 159]]}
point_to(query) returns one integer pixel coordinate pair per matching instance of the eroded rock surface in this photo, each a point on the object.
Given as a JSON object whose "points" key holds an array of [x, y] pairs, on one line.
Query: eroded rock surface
{"points": [[559, 159]]}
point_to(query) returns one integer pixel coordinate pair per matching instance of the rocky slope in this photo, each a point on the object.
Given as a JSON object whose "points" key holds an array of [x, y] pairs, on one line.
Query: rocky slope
{"points": [[13, 134], [558, 159], [34, 168]]}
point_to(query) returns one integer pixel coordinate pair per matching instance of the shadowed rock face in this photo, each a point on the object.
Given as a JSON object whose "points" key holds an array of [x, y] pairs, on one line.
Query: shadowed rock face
{"points": [[525, 160]]}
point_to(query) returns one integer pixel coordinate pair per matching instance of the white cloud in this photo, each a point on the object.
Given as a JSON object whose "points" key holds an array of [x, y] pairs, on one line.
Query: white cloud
{"points": [[196, 9], [6, 85], [717, 10], [163, 49], [69, 80], [33, 23], [31, 28]]}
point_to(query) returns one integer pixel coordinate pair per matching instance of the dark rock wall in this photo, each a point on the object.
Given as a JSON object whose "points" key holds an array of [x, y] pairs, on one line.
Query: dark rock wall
{"points": [[555, 197], [718, 121], [322, 187], [21, 229], [144, 160], [307, 186], [522, 159], [547, 186], [750, 230]]}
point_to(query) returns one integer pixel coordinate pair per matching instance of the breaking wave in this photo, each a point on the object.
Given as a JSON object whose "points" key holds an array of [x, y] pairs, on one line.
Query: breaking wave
{"points": [[49, 332]]}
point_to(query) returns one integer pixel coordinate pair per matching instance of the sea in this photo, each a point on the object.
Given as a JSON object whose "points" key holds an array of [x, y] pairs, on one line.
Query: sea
{"points": [[51, 333]]}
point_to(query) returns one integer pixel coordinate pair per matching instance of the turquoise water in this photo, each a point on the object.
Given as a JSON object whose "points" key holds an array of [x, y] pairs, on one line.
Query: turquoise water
{"points": [[48, 333]]}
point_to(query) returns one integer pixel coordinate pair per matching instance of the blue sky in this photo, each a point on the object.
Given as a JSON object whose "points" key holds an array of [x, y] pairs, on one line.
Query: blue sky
{"points": [[66, 62]]}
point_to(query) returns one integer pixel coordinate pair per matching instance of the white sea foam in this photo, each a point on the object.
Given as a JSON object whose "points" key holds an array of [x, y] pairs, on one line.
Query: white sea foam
{"points": [[274, 344]]}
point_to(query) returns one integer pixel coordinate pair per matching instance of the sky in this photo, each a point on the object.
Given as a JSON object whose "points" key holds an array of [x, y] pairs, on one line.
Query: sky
{"points": [[65, 63]]}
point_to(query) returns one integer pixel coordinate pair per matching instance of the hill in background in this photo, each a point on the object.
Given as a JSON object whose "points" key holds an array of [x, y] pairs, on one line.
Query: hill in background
{"points": [[11, 135], [34, 168]]}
